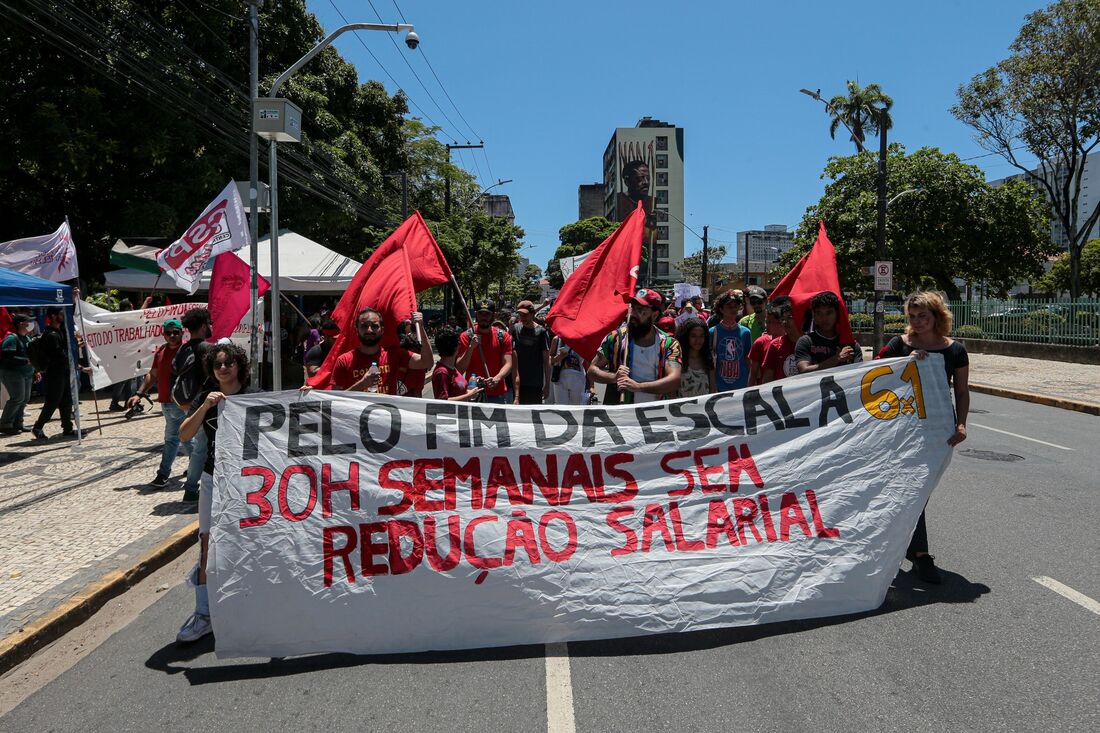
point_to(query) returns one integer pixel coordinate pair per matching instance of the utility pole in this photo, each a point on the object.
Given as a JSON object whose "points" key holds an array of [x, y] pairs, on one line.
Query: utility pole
{"points": [[255, 348], [880, 243], [706, 254], [447, 303]]}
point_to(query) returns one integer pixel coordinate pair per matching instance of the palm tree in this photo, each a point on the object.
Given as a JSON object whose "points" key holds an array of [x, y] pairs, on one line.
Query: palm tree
{"points": [[860, 111]]}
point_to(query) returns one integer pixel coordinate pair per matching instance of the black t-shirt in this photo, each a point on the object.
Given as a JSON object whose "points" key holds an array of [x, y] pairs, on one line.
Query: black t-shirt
{"points": [[954, 356], [530, 346], [317, 355], [815, 348], [210, 422]]}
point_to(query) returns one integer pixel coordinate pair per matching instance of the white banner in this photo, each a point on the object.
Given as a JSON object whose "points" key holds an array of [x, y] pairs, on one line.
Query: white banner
{"points": [[685, 291], [347, 522], [51, 256], [121, 345], [569, 264], [221, 227]]}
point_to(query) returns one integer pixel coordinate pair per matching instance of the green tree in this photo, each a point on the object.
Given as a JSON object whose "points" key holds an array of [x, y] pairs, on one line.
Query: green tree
{"points": [[691, 268], [948, 224], [1058, 279], [1045, 99], [861, 111], [576, 239]]}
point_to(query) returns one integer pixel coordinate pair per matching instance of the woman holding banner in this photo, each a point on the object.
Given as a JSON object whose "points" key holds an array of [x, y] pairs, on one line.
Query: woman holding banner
{"points": [[927, 333], [228, 364]]}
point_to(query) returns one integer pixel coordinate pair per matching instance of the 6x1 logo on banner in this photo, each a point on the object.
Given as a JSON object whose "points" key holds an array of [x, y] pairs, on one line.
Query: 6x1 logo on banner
{"points": [[886, 404]]}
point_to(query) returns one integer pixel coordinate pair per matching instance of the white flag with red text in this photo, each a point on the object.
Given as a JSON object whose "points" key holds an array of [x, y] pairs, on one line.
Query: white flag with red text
{"points": [[221, 227], [50, 256]]}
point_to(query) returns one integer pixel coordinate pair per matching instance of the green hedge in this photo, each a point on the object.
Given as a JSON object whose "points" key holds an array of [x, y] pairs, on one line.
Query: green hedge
{"points": [[894, 318], [969, 332], [861, 321], [894, 328]]}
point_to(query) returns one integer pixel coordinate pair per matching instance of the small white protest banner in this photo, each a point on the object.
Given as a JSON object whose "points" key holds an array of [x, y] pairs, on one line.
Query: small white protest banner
{"points": [[347, 522], [221, 227], [685, 291], [121, 345], [50, 256]]}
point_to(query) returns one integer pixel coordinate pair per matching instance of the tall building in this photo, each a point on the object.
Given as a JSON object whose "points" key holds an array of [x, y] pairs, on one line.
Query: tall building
{"points": [[646, 163], [1090, 198], [764, 245], [498, 205], [590, 200]]}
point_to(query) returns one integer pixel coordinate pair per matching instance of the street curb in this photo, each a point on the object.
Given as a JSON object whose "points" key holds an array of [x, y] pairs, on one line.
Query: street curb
{"points": [[21, 645], [1091, 408]]}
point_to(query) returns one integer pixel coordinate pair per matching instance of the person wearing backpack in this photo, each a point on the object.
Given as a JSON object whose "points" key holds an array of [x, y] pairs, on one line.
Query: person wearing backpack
{"points": [[486, 353], [531, 345], [189, 379], [49, 354], [17, 374]]}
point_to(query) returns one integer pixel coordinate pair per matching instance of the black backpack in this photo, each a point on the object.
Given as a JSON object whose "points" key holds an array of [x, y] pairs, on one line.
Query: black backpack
{"points": [[36, 352], [188, 376]]}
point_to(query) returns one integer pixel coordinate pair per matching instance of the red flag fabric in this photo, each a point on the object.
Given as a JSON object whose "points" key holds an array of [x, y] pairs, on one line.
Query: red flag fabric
{"points": [[593, 300], [815, 273], [5, 323], [406, 263], [230, 296]]}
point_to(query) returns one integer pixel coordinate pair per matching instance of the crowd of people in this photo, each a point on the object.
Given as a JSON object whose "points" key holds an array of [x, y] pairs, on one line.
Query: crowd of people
{"points": [[661, 351]]}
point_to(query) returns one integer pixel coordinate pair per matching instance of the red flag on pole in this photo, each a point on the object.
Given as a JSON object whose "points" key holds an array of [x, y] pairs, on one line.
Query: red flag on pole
{"points": [[815, 273], [406, 263], [229, 293], [593, 300]]}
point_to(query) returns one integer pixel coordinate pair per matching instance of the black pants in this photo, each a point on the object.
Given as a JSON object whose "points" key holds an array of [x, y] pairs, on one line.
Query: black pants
{"points": [[530, 395], [919, 543], [58, 396]]}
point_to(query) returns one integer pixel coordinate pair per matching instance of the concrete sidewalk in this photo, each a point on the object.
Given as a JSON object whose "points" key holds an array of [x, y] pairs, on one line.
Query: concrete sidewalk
{"points": [[75, 517]]}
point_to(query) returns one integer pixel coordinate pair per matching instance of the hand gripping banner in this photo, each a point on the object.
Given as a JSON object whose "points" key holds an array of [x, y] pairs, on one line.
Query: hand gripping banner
{"points": [[348, 522]]}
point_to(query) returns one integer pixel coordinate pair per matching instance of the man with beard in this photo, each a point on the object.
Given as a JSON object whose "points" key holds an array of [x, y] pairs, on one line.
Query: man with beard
{"points": [[638, 362], [352, 370], [487, 355]]}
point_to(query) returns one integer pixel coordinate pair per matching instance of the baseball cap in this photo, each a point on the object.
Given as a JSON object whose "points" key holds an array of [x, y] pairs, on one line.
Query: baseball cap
{"points": [[667, 324], [755, 291], [485, 305], [648, 298], [20, 318], [173, 323], [526, 305]]}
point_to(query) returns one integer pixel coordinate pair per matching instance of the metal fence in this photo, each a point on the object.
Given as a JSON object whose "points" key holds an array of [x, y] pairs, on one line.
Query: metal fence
{"points": [[1034, 321]]}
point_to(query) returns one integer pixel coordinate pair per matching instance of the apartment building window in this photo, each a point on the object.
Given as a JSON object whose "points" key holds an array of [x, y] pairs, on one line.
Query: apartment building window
{"points": [[662, 232], [662, 142], [662, 160], [662, 251], [660, 214], [662, 178], [662, 268], [662, 196]]}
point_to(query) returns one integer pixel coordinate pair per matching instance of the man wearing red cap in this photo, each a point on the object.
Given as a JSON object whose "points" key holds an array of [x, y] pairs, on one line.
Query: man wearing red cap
{"points": [[639, 362]]}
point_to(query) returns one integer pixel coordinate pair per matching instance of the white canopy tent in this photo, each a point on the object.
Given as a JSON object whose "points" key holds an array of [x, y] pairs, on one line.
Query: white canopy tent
{"points": [[305, 267]]}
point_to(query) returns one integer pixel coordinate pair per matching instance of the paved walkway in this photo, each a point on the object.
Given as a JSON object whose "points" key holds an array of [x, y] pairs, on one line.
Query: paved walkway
{"points": [[69, 513]]}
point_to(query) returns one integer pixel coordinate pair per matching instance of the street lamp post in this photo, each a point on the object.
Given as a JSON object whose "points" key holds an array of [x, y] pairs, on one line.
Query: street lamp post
{"points": [[412, 41]]}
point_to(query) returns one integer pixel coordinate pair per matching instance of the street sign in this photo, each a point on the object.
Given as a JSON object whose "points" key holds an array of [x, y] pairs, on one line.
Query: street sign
{"points": [[884, 275]]}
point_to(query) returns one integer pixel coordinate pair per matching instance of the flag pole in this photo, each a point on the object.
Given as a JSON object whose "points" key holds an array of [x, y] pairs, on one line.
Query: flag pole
{"points": [[75, 388], [470, 321]]}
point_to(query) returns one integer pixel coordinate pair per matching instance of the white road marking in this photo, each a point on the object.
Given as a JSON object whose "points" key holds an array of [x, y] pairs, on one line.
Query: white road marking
{"points": [[559, 690], [1064, 590], [1021, 437]]}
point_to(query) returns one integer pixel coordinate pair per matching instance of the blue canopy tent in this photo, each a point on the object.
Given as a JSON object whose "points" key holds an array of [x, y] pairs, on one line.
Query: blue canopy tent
{"points": [[20, 290]]}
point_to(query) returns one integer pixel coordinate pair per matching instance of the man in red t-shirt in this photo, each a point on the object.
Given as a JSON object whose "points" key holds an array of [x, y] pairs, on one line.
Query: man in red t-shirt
{"points": [[352, 370], [773, 329], [160, 374], [487, 344], [779, 359]]}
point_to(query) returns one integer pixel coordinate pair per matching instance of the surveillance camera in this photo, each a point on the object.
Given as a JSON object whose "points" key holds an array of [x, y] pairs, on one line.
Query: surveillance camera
{"points": [[412, 40]]}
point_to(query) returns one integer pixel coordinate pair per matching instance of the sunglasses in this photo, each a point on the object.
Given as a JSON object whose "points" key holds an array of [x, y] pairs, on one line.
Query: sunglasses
{"points": [[224, 364], [173, 333]]}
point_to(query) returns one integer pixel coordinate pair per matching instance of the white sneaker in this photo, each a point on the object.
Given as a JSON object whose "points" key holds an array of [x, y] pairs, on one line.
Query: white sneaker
{"points": [[194, 628]]}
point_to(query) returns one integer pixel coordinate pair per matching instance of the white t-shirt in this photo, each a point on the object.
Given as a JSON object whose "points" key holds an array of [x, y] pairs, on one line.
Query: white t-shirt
{"points": [[643, 368]]}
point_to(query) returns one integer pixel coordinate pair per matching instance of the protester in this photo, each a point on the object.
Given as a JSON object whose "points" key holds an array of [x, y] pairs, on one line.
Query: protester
{"points": [[16, 374], [927, 333], [779, 359], [730, 342], [488, 343], [448, 383], [189, 378], [229, 365], [755, 321], [316, 356], [666, 324], [371, 367], [531, 346], [697, 376], [160, 374], [571, 385], [773, 329], [821, 348], [697, 302], [412, 380], [56, 375], [638, 362]]}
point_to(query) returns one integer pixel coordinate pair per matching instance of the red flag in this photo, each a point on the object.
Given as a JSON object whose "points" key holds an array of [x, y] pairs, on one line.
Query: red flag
{"points": [[230, 296], [593, 300], [815, 273], [406, 263], [6, 325]]}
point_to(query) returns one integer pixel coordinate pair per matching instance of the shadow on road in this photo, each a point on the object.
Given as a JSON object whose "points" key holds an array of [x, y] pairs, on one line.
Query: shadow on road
{"points": [[905, 592]]}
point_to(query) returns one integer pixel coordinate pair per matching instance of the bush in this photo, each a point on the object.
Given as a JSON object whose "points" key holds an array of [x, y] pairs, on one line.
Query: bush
{"points": [[1042, 322], [969, 332], [894, 328], [894, 318], [861, 321]]}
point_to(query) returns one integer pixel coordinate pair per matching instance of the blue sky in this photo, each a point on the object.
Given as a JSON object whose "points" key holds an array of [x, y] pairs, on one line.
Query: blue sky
{"points": [[545, 84]]}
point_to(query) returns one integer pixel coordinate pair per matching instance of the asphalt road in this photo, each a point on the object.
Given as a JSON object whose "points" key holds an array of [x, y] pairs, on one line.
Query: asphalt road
{"points": [[991, 649]]}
